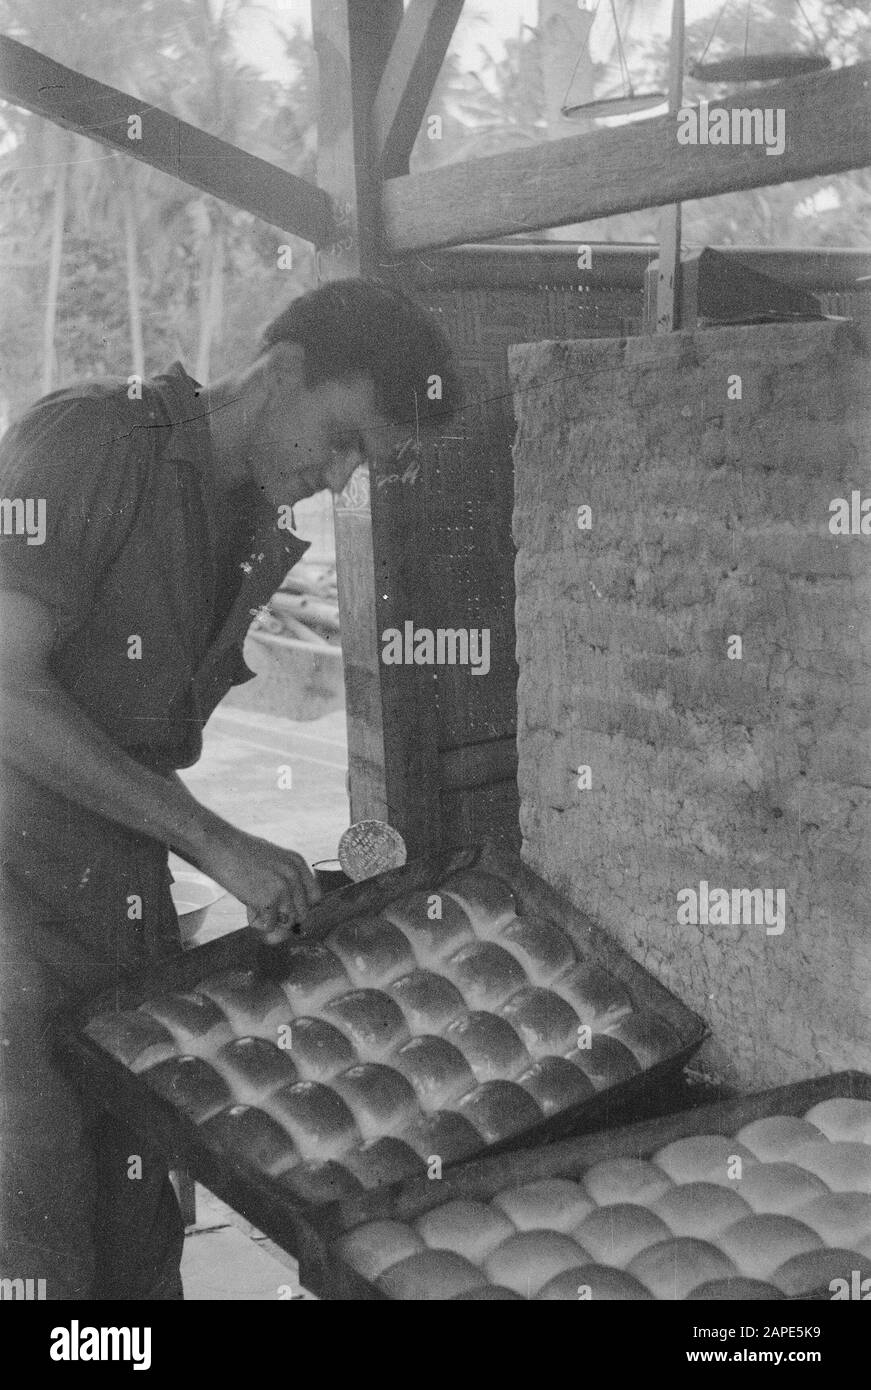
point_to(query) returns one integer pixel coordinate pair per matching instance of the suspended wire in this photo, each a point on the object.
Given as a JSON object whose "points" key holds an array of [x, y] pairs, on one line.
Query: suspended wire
{"points": [[814, 34], [581, 52], [621, 56], [723, 9], [747, 27]]}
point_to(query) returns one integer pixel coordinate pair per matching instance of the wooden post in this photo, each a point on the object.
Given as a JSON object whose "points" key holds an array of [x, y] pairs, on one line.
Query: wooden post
{"points": [[668, 281]]}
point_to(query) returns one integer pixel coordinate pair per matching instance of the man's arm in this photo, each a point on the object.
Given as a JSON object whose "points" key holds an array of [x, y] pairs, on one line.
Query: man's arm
{"points": [[47, 736]]}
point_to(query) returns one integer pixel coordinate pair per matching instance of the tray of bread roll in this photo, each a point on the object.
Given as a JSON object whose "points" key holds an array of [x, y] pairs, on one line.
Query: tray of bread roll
{"points": [[451, 1007], [767, 1197]]}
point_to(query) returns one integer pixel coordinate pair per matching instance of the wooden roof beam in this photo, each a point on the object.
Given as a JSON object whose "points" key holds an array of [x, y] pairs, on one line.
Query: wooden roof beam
{"points": [[78, 103], [625, 168], [408, 79]]}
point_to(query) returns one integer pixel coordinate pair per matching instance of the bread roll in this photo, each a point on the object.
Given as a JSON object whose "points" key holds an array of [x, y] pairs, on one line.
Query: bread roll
{"points": [[499, 1109], [594, 1283], [775, 1138], [484, 973], [254, 1068], [371, 1020], [443, 1134], [254, 1007], [490, 1046], [673, 1268], [248, 1136], [437, 1070], [316, 1183], [431, 1274], [543, 950], [381, 1161], [313, 975], [373, 951], [556, 1084], [625, 1180], [428, 1001], [605, 1062], [544, 1022], [839, 1218], [191, 1085], [546, 1204], [319, 1051], [647, 1036], [759, 1244], [843, 1165], [472, 1229], [597, 997], [197, 1025], [527, 1261], [701, 1209], [487, 901], [842, 1118], [778, 1188], [379, 1097], [704, 1158], [316, 1118], [135, 1039], [737, 1288], [488, 1293], [372, 1248], [430, 938], [815, 1270], [614, 1235]]}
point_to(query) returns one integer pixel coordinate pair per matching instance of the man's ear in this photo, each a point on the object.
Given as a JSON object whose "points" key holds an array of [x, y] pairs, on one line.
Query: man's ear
{"points": [[284, 365]]}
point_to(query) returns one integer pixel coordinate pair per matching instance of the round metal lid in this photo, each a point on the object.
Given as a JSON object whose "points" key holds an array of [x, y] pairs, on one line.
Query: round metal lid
{"points": [[369, 847]]}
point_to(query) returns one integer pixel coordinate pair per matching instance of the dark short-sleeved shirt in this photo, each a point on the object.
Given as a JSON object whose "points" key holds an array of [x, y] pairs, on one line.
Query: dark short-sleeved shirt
{"points": [[150, 625]]}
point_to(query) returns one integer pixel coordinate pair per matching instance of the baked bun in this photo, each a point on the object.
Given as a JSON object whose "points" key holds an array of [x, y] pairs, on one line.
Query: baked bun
{"points": [[775, 1138], [842, 1118], [556, 1084], [527, 1261], [248, 1136], [544, 1022], [437, 1070], [816, 1269], [373, 951], [779, 1188], [499, 1109], [254, 1007], [135, 1039], [428, 1001], [592, 1282], [839, 1218], [372, 1020], [197, 1025], [760, 1244], [701, 1209], [319, 1050], [606, 1062], [546, 1204], [444, 1134], [488, 1293], [431, 1274], [843, 1165], [648, 1036], [312, 975], [484, 973], [625, 1180], [430, 938], [615, 1235], [597, 997], [487, 901], [543, 950], [490, 1046], [381, 1161], [191, 1085], [703, 1158], [673, 1268], [736, 1288], [379, 1098], [316, 1183], [254, 1068], [472, 1229], [316, 1118], [372, 1248]]}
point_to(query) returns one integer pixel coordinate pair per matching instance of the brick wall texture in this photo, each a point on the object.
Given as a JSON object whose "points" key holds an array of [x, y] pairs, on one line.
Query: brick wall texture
{"points": [[710, 518]]}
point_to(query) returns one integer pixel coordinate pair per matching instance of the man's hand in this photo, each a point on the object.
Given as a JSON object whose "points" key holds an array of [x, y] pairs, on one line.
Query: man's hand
{"points": [[276, 885]]}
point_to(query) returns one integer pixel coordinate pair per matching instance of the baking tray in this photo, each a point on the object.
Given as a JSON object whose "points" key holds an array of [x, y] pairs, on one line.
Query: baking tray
{"points": [[278, 1214], [483, 1178]]}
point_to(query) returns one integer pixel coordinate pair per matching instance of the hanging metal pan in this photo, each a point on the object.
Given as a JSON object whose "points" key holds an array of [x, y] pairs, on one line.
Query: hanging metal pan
{"points": [[759, 67], [616, 106]]}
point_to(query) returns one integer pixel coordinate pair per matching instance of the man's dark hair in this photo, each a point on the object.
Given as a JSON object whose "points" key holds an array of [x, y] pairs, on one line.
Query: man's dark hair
{"points": [[358, 325]]}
